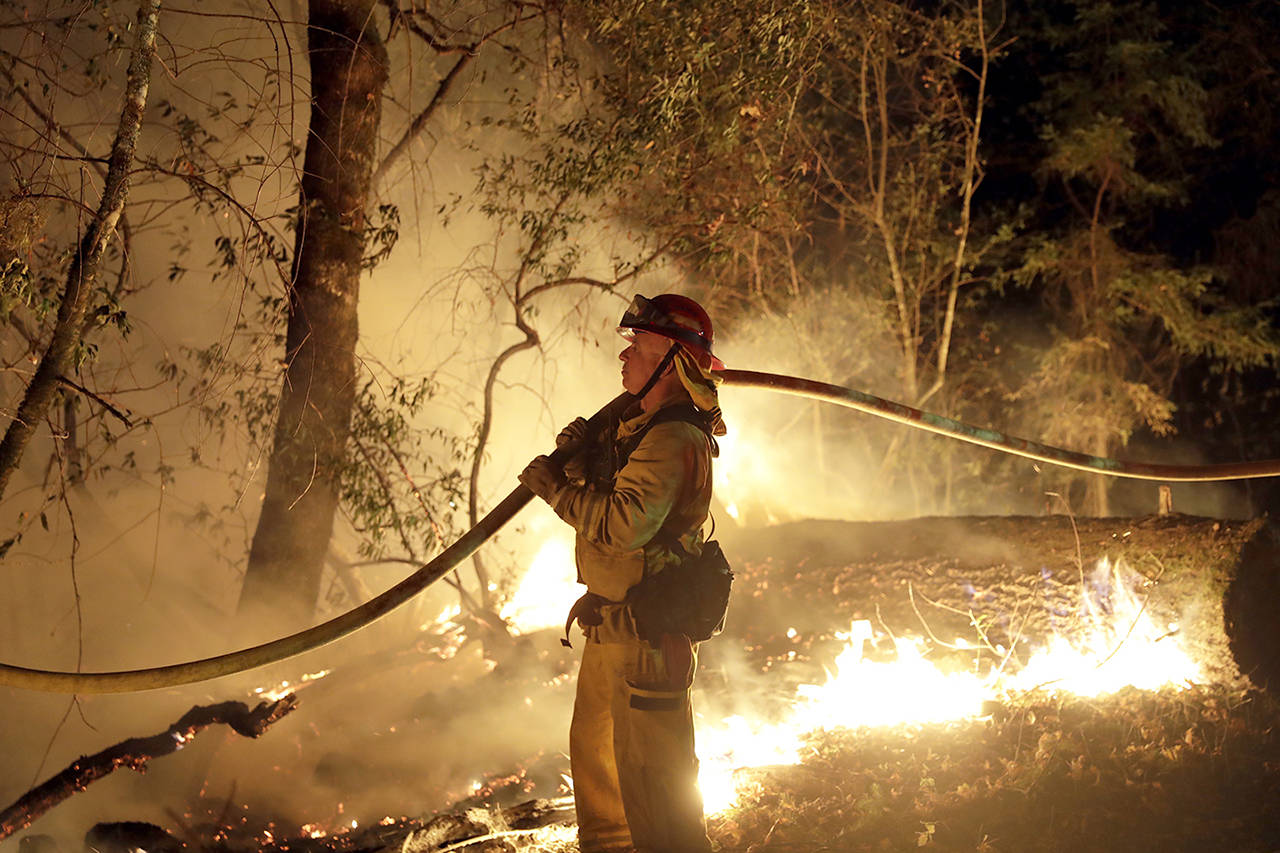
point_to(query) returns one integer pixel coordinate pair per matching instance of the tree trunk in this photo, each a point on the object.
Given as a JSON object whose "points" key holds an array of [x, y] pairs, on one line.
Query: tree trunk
{"points": [[348, 71], [60, 355], [1211, 583]]}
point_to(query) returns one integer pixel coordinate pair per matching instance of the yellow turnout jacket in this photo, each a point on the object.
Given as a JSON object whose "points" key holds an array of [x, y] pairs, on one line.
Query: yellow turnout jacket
{"points": [[665, 483]]}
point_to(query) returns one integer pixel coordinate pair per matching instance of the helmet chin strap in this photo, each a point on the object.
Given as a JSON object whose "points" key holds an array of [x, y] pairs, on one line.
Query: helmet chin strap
{"points": [[659, 370]]}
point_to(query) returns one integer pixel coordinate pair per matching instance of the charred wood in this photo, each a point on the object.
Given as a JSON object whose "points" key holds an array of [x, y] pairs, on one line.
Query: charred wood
{"points": [[473, 829], [134, 753], [478, 829], [128, 836]]}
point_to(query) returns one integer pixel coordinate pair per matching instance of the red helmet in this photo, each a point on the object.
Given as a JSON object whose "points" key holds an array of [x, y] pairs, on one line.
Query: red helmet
{"points": [[677, 318]]}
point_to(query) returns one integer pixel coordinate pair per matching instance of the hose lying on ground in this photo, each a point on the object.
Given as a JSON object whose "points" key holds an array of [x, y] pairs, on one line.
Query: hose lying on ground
{"points": [[127, 681]]}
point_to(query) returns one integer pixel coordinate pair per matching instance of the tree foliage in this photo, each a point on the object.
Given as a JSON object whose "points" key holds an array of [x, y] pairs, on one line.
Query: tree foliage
{"points": [[858, 180], [1120, 122]]}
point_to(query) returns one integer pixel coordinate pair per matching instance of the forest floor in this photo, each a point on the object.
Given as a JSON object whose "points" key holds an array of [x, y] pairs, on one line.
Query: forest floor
{"points": [[1175, 770], [1178, 769]]}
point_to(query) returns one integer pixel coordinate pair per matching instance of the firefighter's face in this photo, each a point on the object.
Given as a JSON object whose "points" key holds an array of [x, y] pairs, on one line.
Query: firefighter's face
{"points": [[641, 358]]}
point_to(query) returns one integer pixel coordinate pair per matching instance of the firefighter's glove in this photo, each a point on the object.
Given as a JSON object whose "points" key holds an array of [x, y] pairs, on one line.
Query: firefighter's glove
{"points": [[544, 478], [574, 433]]}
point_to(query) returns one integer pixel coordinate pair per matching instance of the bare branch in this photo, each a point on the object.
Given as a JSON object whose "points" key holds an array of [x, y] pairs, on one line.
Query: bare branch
{"points": [[531, 340], [969, 185], [419, 123], [60, 353], [199, 183], [99, 164], [101, 402], [134, 753], [468, 52]]}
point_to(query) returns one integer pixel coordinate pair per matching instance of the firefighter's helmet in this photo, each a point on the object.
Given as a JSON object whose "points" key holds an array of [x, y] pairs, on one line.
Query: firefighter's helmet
{"points": [[677, 318]]}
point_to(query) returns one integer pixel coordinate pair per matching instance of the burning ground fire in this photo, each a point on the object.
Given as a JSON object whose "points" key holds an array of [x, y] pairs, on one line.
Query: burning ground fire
{"points": [[1113, 643], [1117, 645], [879, 678]]}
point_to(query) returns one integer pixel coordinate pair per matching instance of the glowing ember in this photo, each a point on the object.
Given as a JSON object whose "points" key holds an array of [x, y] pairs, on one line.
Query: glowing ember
{"points": [[284, 688]]}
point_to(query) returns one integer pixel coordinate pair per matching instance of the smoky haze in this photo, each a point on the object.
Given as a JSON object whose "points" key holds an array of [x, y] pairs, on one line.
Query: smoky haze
{"points": [[140, 568]]}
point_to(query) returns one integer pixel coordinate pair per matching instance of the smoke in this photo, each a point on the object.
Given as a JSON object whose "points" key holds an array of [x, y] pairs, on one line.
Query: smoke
{"points": [[1211, 500], [787, 458], [141, 565]]}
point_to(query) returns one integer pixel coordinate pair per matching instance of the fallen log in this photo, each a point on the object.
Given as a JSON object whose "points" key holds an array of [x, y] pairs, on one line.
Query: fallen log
{"points": [[1013, 582], [134, 753]]}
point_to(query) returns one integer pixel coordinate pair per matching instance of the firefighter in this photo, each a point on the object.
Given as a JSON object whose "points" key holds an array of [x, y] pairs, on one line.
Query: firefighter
{"points": [[637, 496]]}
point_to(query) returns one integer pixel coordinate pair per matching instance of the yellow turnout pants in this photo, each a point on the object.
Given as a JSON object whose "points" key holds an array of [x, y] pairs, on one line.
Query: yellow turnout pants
{"points": [[631, 750]]}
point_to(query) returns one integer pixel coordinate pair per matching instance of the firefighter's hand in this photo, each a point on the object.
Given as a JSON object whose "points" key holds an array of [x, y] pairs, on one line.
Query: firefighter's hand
{"points": [[574, 433], [543, 477]]}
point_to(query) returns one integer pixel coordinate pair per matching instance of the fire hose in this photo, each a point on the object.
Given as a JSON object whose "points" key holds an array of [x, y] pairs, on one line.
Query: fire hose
{"points": [[128, 681]]}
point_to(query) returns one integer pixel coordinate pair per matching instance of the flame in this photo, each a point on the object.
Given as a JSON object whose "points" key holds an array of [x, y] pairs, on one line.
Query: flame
{"points": [[1117, 645], [739, 473], [547, 589], [1120, 644], [735, 743], [858, 692], [1113, 643], [443, 618]]}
